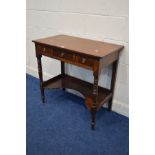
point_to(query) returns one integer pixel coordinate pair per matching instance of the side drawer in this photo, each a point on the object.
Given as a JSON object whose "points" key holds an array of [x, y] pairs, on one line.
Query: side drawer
{"points": [[85, 61], [44, 50]]}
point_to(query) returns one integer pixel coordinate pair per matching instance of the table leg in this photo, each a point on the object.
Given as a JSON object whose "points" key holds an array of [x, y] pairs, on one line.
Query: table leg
{"points": [[95, 94], [40, 77], [63, 71], [113, 80]]}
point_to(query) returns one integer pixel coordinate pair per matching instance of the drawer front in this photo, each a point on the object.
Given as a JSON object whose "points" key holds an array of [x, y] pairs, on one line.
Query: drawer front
{"points": [[67, 56], [64, 55], [44, 50], [85, 61]]}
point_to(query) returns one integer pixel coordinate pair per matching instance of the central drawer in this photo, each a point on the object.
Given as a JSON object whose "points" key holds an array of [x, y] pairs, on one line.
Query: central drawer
{"points": [[64, 55]]}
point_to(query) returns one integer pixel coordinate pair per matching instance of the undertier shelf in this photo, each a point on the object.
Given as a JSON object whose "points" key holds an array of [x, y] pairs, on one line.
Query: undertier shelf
{"points": [[85, 88]]}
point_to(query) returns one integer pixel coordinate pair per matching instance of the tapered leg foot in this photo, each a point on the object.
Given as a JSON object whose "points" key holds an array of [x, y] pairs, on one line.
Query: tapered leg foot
{"points": [[42, 95], [92, 126], [43, 99], [113, 80], [93, 116], [41, 77], [110, 105]]}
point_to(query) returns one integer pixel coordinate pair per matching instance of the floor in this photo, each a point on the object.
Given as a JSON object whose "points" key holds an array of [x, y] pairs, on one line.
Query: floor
{"points": [[62, 125]]}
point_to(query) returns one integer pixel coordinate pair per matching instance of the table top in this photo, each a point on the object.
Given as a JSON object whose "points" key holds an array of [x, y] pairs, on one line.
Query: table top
{"points": [[80, 45]]}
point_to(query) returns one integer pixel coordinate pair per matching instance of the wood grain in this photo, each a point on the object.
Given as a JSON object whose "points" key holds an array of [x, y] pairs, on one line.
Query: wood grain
{"points": [[80, 45]]}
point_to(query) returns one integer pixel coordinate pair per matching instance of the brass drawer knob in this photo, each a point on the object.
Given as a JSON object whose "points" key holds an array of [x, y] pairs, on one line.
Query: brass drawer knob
{"points": [[83, 60], [44, 49], [62, 54]]}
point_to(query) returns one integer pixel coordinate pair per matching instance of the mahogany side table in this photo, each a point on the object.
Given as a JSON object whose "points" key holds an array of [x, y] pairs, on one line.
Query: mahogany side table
{"points": [[89, 54]]}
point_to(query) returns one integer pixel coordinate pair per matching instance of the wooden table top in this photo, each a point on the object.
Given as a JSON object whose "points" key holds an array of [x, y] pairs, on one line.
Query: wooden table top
{"points": [[80, 45]]}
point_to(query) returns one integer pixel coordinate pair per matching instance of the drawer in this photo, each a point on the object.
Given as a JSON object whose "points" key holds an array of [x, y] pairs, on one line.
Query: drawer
{"points": [[44, 50], [62, 54], [85, 61]]}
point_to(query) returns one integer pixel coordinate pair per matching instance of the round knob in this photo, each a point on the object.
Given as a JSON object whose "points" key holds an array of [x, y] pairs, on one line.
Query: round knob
{"points": [[62, 54], [83, 60], [44, 49]]}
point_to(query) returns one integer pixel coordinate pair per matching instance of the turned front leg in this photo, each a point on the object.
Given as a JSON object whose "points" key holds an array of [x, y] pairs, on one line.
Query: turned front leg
{"points": [[40, 77], [95, 95], [113, 80], [63, 71]]}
